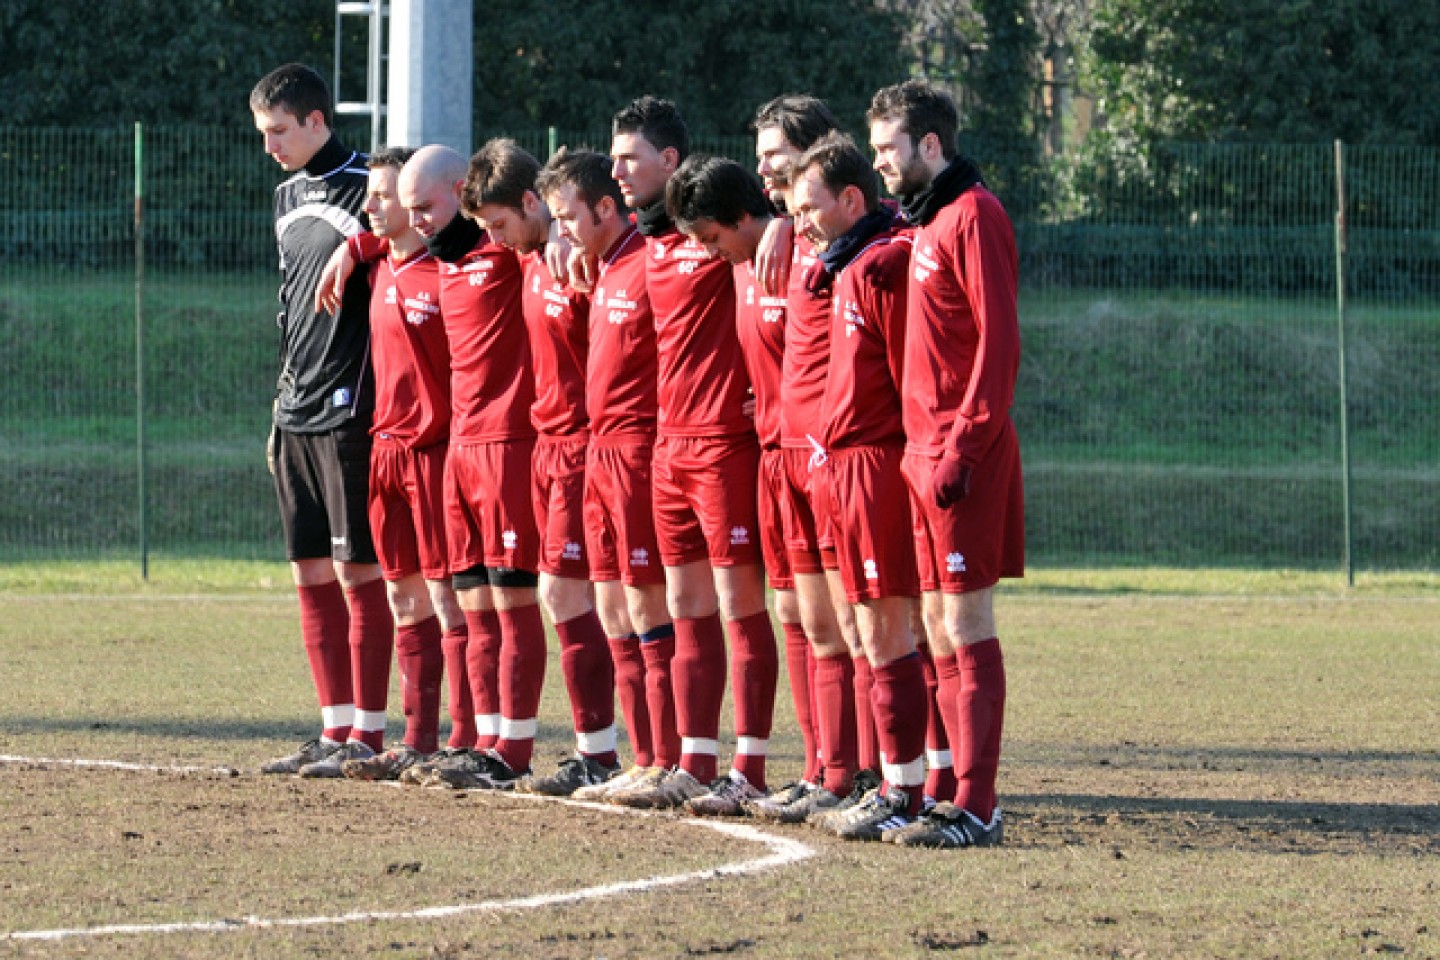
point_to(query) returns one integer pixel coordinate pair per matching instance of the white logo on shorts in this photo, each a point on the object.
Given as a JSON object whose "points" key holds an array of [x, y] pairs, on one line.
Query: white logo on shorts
{"points": [[872, 570], [639, 557], [739, 536], [511, 539], [571, 551], [955, 563]]}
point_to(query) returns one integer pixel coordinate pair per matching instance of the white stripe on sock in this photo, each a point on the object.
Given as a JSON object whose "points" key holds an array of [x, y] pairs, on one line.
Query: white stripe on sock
{"points": [[369, 721], [910, 774], [518, 729], [700, 745], [487, 724], [752, 746], [596, 741], [939, 759], [338, 715]]}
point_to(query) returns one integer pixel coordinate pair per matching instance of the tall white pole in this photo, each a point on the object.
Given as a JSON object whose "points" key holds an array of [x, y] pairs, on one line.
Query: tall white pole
{"points": [[431, 73]]}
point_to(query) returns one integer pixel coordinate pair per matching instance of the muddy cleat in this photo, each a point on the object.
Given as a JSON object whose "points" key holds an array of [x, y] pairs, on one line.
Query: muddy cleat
{"points": [[600, 792], [421, 772], [332, 767], [872, 816], [477, 770], [812, 805], [574, 772], [769, 807], [865, 782], [948, 827], [670, 789], [383, 766], [311, 751], [727, 797]]}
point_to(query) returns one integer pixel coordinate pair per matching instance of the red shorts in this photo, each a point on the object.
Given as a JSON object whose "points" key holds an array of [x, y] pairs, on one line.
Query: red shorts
{"points": [[705, 500], [559, 494], [407, 509], [619, 523], [803, 539], [489, 516], [772, 534], [863, 492], [980, 539]]}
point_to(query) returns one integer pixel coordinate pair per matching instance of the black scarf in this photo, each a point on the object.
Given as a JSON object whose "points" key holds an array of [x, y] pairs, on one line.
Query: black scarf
{"points": [[652, 220], [848, 245], [921, 206], [458, 238]]}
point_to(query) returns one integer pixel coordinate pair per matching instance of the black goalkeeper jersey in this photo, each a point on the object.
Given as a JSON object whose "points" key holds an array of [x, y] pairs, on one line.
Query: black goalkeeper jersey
{"points": [[325, 377]]}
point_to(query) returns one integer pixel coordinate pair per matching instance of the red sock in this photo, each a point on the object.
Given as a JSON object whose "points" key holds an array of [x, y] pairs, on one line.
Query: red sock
{"points": [[835, 720], [867, 747], [630, 684], [939, 771], [325, 627], [799, 667], [372, 644], [947, 701], [590, 681], [699, 677], [422, 665], [898, 695], [754, 675], [658, 652], [482, 667], [982, 715], [462, 708], [522, 677]]}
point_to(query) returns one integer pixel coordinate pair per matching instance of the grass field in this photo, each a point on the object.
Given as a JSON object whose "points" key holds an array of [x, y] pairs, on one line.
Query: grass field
{"points": [[1198, 764]]}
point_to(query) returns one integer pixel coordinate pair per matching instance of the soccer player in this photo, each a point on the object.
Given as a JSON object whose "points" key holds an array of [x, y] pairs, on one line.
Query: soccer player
{"points": [[859, 484], [494, 546], [962, 458], [500, 195], [723, 206], [620, 398], [320, 442], [706, 465]]}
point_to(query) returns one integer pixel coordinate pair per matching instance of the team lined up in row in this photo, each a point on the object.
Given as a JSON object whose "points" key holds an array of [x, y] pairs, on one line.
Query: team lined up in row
{"points": [[747, 375]]}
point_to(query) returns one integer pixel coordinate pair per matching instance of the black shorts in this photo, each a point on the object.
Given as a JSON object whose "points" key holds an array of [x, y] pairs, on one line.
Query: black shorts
{"points": [[322, 481]]}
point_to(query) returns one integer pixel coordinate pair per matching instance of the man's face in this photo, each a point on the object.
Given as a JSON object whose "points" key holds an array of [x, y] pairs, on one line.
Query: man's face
{"points": [[734, 244], [639, 168], [578, 223], [431, 203], [513, 227], [290, 140], [819, 214], [896, 159], [775, 156], [382, 204]]}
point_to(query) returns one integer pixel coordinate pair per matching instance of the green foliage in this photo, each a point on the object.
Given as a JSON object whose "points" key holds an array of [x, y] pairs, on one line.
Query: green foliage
{"points": [[1290, 71], [1004, 77]]}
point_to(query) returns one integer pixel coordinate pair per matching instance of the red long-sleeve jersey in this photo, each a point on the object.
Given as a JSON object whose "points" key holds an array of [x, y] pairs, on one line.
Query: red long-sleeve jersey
{"points": [[410, 352], [557, 318], [807, 352], [962, 351], [620, 380], [867, 346], [760, 325]]}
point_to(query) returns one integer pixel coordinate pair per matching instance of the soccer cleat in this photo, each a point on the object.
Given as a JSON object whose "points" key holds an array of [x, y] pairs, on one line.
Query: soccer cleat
{"points": [[389, 765], [948, 827], [477, 770], [809, 807], [872, 816], [727, 797], [865, 781], [769, 807], [332, 766], [421, 772], [574, 772], [670, 789], [599, 792], [927, 804], [311, 751]]}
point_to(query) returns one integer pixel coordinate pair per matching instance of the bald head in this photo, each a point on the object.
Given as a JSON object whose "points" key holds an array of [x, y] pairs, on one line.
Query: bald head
{"points": [[429, 188]]}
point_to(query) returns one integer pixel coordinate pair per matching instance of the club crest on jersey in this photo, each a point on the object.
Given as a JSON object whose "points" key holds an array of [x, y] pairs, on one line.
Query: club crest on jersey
{"points": [[739, 536], [659, 251], [925, 263], [390, 298], [955, 563], [571, 551], [420, 307], [639, 557], [854, 319]]}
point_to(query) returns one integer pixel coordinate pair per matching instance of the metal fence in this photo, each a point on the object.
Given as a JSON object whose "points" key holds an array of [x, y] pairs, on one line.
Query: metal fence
{"points": [[1190, 388]]}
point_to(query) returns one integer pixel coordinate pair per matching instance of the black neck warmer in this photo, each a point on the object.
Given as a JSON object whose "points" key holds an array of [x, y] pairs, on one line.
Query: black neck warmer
{"points": [[457, 239], [921, 206]]}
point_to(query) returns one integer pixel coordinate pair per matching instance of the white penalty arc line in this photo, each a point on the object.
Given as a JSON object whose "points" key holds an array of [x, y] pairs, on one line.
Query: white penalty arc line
{"points": [[783, 852]]}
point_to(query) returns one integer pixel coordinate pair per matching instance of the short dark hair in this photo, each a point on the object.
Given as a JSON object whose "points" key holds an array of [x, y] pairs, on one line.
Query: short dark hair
{"points": [[658, 121], [295, 87], [841, 164], [921, 108], [714, 188], [801, 118], [500, 172], [390, 157], [585, 170]]}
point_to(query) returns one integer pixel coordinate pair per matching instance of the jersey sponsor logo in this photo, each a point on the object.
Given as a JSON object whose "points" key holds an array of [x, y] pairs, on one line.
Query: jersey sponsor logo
{"points": [[739, 536], [955, 563], [854, 319], [618, 306], [338, 541], [872, 569], [510, 539], [478, 279], [420, 308], [317, 195], [572, 551], [925, 263], [639, 557], [772, 309]]}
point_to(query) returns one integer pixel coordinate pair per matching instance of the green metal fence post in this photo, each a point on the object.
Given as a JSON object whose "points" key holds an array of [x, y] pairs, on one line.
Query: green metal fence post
{"points": [[552, 141], [140, 347], [1340, 254]]}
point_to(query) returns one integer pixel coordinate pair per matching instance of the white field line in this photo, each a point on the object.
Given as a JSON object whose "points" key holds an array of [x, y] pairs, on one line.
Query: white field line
{"points": [[783, 852]]}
